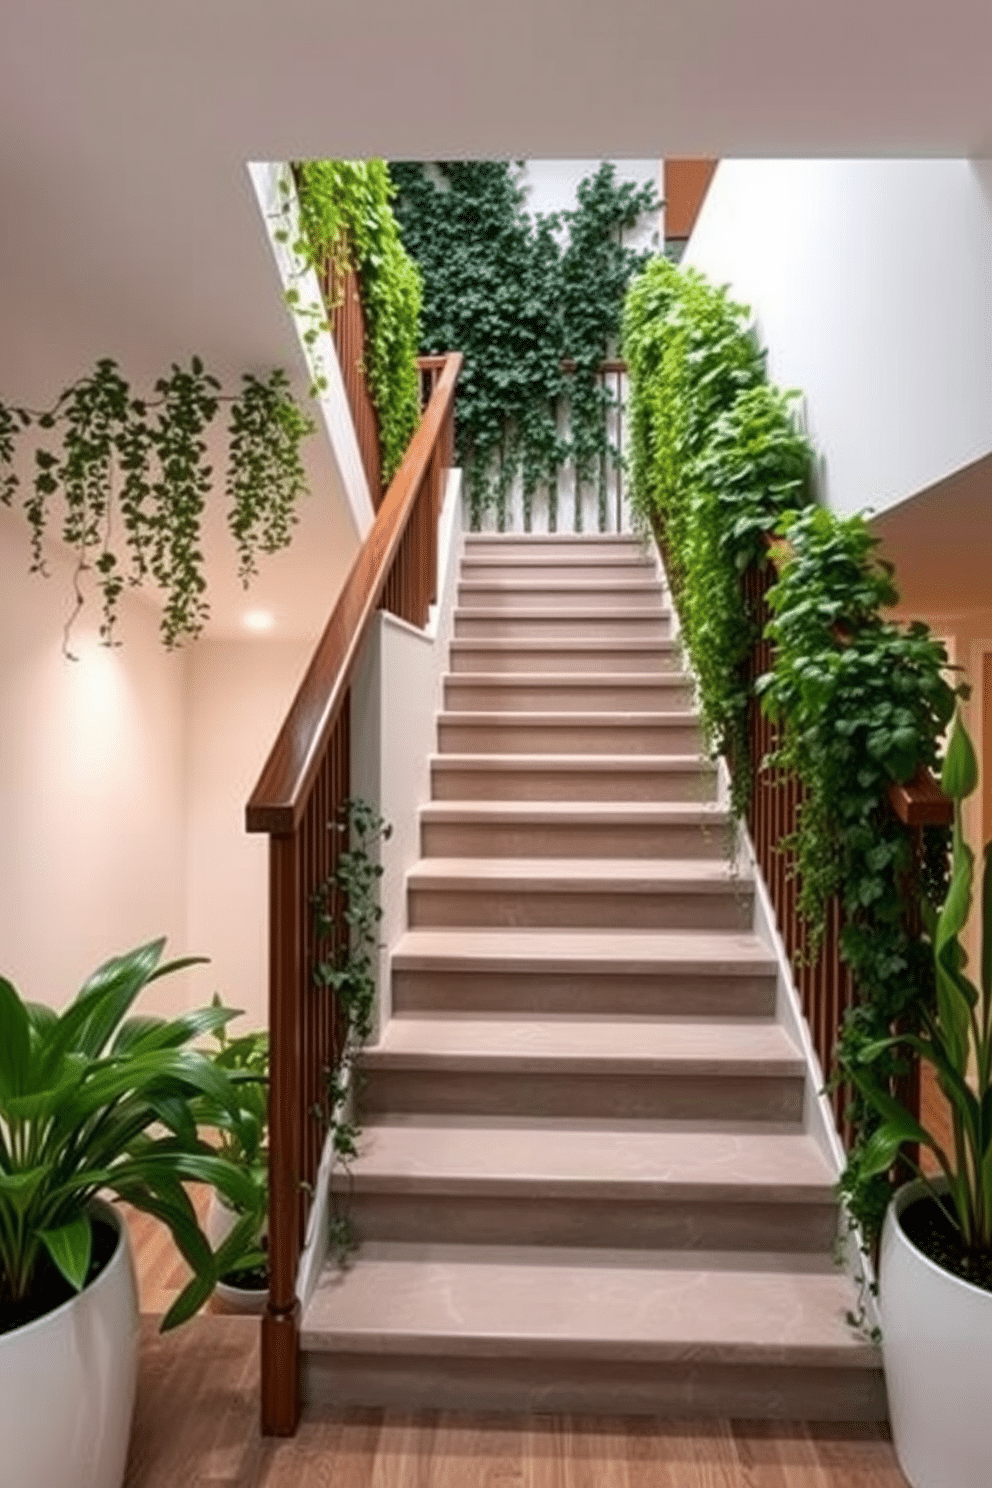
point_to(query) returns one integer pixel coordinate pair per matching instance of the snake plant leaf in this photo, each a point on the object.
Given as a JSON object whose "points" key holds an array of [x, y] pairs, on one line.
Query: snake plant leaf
{"points": [[987, 926], [19, 1189], [882, 1147], [15, 1041], [71, 1247], [100, 1004]]}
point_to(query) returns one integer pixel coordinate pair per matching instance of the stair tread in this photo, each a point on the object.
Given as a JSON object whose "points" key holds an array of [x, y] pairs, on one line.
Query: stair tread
{"points": [[639, 1161], [588, 950], [636, 1306], [600, 718], [550, 612], [645, 874], [689, 1046], [509, 680], [516, 584], [564, 643]]}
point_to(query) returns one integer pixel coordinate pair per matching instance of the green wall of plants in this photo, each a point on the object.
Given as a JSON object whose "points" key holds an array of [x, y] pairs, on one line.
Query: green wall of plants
{"points": [[516, 296], [718, 465]]}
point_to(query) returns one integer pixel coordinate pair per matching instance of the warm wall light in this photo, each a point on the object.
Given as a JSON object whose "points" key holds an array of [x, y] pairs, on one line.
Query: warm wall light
{"points": [[258, 620]]}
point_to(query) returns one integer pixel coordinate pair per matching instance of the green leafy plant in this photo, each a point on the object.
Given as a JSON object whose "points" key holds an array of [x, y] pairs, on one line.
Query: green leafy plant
{"points": [[81, 1094], [132, 478], [240, 1134], [955, 1039], [346, 220], [500, 287], [346, 932], [718, 465]]}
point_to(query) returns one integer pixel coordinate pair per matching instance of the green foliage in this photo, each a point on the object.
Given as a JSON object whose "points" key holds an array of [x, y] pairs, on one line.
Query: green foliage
{"points": [[715, 458], [500, 287], [242, 1132], [718, 465], [346, 217], [347, 913], [79, 1094], [132, 477], [955, 1036]]}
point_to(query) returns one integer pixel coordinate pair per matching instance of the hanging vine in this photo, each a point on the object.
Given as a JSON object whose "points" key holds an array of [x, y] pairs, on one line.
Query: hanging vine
{"points": [[123, 481], [500, 287], [346, 221]]}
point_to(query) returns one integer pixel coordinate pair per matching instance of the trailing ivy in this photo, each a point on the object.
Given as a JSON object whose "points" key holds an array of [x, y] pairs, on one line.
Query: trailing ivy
{"points": [[716, 457], [718, 465], [501, 288], [131, 478], [863, 702], [346, 218], [346, 916]]}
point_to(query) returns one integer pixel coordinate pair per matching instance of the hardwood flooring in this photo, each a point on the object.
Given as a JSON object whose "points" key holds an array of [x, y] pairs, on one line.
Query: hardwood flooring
{"points": [[196, 1426]]}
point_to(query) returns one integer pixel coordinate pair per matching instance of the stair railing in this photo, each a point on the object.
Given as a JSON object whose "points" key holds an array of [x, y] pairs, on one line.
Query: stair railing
{"points": [[297, 803], [823, 980]]}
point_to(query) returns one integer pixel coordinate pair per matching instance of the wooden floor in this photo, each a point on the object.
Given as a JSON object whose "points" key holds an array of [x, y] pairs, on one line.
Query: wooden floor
{"points": [[196, 1427]]}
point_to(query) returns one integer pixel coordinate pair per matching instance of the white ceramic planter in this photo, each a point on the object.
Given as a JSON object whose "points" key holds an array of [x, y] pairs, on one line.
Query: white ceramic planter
{"points": [[67, 1384], [937, 1348], [219, 1223]]}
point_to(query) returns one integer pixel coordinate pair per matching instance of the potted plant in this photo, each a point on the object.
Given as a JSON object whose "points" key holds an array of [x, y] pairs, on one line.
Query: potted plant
{"points": [[936, 1252], [241, 1139], [93, 1101]]}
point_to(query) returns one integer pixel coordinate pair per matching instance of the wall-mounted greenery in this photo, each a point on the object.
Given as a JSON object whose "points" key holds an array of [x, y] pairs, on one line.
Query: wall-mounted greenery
{"points": [[346, 217], [123, 481], [718, 464], [500, 288]]}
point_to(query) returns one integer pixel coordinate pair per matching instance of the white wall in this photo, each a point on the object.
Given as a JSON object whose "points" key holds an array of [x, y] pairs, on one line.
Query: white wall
{"points": [[238, 694], [552, 185], [871, 283], [92, 785]]}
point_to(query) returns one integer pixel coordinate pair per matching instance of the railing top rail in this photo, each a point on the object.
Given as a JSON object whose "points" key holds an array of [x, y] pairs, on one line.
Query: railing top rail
{"points": [[277, 802]]}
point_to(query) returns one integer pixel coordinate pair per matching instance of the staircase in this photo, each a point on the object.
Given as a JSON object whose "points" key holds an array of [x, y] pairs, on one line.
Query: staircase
{"points": [[585, 1183]]}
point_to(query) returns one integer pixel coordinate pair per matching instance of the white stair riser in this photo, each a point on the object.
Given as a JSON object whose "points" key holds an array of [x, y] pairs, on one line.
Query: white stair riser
{"points": [[559, 696], [556, 545], [452, 781], [608, 906], [504, 658], [551, 839]]}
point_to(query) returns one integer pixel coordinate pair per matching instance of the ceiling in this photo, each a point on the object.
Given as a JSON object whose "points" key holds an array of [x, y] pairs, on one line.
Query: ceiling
{"points": [[129, 227], [936, 572]]}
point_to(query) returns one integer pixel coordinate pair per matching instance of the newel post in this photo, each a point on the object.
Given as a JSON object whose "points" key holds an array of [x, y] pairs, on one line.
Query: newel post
{"points": [[281, 1321]]}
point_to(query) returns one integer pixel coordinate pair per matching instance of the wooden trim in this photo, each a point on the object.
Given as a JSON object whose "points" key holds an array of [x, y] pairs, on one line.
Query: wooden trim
{"points": [[921, 802], [277, 802]]}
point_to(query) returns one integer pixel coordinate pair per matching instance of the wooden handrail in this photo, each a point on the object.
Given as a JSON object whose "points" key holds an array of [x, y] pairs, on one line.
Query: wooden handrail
{"points": [[277, 801]]}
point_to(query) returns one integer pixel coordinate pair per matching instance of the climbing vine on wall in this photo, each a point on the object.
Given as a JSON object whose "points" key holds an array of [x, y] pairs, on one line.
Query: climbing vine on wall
{"points": [[346, 219], [518, 295], [719, 465], [123, 481]]}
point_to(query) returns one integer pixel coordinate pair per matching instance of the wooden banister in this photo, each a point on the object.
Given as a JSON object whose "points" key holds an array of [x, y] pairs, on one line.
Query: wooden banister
{"points": [[298, 801], [277, 800]]}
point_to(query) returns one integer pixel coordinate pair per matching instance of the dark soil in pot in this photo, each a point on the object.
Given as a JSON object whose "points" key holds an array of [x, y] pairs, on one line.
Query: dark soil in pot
{"points": [[928, 1226], [51, 1290], [250, 1278]]}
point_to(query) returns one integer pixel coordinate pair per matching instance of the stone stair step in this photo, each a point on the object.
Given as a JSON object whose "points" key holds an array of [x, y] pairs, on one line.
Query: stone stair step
{"points": [[566, 829], [653, 973], [603, 1069], [475, 1327], [620, 894], [524, 1182], [616, 569], [569, 733], [572, 777], [514, 594], [547, 623], [565, 654], [580, 692]]}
